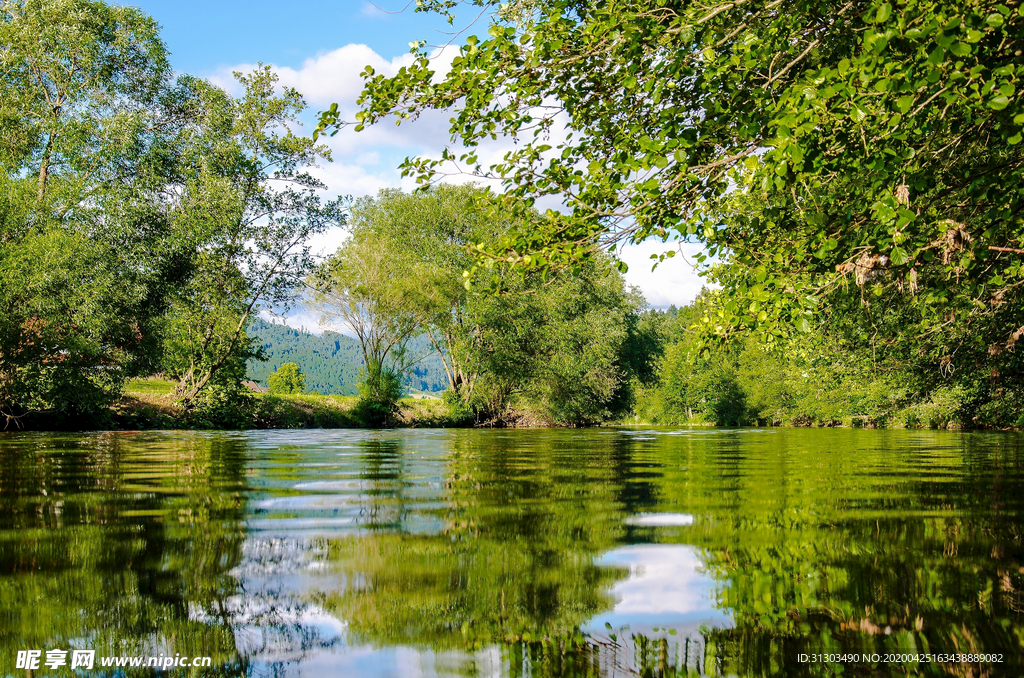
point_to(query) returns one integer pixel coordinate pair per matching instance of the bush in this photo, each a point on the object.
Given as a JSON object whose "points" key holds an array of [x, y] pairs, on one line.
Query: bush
{"points": [[460, 411], [379, 393], [222, 405]]}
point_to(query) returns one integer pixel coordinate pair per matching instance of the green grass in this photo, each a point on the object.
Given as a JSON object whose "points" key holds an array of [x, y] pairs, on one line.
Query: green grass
{"points": [[151, 386], [149, 403]]}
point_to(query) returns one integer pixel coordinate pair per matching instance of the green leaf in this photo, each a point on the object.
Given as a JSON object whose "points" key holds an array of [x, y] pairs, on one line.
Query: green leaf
{"points": [[999, 103], [899, 256]]}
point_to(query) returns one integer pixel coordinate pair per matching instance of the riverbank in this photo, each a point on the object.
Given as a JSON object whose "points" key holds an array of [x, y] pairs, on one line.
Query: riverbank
{"points": [[149, 404]]}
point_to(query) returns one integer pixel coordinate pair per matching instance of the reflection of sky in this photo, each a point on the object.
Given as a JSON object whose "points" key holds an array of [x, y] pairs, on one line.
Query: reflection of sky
{"points": [[401, 662], [665, 587], [283, 633], [302, 503]]}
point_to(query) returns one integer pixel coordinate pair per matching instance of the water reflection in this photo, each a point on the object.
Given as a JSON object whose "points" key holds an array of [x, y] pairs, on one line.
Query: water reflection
{"points": [[515, 553], [108, 541]]}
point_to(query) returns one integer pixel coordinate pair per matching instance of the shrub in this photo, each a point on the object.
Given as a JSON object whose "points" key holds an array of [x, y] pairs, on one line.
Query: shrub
{"points": [[223, 404], [460, 412], [379, 393], [287, 380]]}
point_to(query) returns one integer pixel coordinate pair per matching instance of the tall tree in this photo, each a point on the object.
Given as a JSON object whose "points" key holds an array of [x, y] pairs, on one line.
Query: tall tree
{"points": [[565, 349], [426, 237], [86, 251], [250, 206], [373, 293]]}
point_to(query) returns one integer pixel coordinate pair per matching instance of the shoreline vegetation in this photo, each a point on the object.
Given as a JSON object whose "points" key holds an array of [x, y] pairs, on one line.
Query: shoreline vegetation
{"points": [[149, 404], [864, 250]]}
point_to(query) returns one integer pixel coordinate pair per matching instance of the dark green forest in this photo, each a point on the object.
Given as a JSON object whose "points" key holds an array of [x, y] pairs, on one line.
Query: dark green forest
{"points": [[331, 361]]}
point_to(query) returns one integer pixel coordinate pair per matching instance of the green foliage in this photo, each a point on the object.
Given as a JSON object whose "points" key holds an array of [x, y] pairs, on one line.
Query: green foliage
{"points": [[374, 293], [222, 404], [379, 393], [85, 256], [849, 161], [331, 360], [143, 221], [816, 378], [559, 351], [249, 205], [79, 81], [460, 411], [287, 380]]}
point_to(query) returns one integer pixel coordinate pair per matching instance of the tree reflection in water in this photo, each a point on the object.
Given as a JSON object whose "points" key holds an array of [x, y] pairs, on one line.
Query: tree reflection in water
{"points": [[112, 542], [505, 553]]}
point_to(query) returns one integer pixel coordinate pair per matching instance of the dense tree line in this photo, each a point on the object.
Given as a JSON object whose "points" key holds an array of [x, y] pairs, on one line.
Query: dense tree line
{"points": [[822, 377], [148, 218], [854, 172]]}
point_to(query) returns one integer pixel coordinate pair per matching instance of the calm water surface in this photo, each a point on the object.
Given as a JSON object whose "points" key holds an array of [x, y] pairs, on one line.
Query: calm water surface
{"points": [[516, 553]]}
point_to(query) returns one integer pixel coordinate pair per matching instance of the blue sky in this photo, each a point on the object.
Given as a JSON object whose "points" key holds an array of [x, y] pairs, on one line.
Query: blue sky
{"points": [[205, 35], [320, 48]]}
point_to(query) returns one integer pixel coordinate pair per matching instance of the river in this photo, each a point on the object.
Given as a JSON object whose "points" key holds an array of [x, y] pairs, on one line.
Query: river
{"points": [[616, 552]]}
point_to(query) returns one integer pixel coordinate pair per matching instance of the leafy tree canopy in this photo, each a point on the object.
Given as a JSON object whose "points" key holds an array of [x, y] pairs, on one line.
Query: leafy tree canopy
{"points": [[250, 206], [864, 151], [88, 117]]}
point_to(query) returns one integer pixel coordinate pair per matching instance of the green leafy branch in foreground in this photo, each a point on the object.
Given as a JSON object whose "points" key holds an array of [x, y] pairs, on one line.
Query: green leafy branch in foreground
{"points": [[863, 151]]}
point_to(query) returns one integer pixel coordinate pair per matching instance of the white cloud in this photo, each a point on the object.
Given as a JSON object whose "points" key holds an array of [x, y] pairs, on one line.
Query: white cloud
{"points": [[674, 281], [328, 77], [367, 161]]}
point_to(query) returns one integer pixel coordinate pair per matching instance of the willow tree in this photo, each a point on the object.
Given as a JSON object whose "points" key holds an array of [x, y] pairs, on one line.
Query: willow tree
{"points": [[564, 350], [864, 153], [425, 237], [376, 294]]}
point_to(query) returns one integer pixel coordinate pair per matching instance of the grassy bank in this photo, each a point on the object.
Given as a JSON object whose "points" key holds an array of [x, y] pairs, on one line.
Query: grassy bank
{"points": [[150, 404]]}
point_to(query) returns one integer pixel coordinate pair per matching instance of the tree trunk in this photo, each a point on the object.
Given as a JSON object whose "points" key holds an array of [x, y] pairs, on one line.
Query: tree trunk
{"points": [[44, 167]]}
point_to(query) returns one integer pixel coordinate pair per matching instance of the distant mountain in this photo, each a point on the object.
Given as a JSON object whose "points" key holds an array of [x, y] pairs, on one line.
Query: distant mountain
{"points": [[331, 361]]}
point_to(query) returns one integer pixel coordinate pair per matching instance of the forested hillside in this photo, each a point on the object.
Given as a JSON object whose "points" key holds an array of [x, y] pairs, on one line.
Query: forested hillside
{"points": [[331, 360]]}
